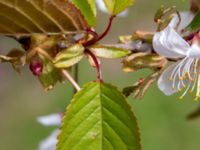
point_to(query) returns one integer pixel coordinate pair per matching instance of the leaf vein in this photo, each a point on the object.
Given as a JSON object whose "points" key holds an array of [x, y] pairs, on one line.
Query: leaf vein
{"points": [[108, 125]]}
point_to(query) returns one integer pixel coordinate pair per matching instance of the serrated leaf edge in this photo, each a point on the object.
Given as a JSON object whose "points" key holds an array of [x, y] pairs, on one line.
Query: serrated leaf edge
{"points": [[79, 93]]}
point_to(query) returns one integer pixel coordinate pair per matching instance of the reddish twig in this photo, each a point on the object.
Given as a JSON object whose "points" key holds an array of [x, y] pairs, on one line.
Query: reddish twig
{"points": [[93, 40], [107, 29], [98, 67], [96, 37]]}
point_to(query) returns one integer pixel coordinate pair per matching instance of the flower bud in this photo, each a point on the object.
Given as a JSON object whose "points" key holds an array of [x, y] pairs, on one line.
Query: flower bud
{"points": [[36, 67]]}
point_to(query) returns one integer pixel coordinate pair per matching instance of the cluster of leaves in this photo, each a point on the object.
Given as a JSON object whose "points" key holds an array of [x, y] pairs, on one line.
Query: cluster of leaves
{"points": [[99, 116]]}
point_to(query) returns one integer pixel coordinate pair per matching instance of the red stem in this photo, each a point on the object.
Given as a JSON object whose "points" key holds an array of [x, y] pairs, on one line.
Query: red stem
{"points": [[107, 29], [94, 39], [98, 67], [89, 30]]}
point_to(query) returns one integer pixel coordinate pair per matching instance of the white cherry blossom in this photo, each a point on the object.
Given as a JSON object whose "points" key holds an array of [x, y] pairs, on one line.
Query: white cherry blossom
{"points": [[184, 75], [50, 142], [51, 120]]}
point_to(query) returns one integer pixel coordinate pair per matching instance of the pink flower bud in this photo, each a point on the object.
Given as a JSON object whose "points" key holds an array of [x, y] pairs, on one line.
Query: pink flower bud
{"points": [[36, 67]]}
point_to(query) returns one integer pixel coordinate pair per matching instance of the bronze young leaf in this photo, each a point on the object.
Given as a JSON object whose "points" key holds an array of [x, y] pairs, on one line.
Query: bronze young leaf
{"points": [[39, 16]]}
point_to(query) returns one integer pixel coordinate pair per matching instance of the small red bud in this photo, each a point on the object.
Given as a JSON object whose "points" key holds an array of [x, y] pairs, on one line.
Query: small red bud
{"points": [[36, 67]]}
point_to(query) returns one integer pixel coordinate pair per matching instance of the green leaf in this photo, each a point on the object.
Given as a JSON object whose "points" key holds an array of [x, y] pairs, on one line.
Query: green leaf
{"points": [[88, 9], [99, 118], [195, 24], [50, 75], [69, 56], [39, 16], [117, 6], [109, 51]]}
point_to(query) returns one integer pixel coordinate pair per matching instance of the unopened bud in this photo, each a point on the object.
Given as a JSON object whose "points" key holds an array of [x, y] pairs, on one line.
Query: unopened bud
{"points": [[36, 67]]}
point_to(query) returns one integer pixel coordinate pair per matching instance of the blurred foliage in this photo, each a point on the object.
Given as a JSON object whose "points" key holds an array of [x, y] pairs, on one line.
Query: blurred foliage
{"points": [[162, 119]]}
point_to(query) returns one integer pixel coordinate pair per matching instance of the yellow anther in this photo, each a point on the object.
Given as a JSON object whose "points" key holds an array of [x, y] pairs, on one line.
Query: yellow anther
{"points": [[179, 89], [170, 79]]}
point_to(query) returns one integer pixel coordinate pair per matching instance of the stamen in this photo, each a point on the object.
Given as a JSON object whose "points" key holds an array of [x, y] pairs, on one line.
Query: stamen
{"points": [[198, 88], [186, 91], [174, 72], [175, 75], [194, 84], [195, 66], [183, 84], [173, 88], [189, 76], [179, 89], [189, 69], [185, 67], [185, 75]]}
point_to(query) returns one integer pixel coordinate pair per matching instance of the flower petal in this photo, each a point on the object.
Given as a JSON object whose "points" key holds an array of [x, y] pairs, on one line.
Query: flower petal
{"points": [[50, 142], [101, 6], [170, 44], [165, 84], [50, 120], [194, 51], [186, 18], [123, 14]]}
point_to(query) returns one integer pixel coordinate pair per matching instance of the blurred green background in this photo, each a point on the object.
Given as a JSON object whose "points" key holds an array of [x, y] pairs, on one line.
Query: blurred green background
{"points": [[162, 119]]}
